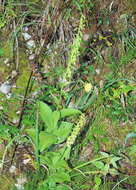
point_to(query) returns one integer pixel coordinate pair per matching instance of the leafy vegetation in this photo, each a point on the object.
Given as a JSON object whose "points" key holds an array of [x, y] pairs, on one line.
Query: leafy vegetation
{"points": [[67, 95]]}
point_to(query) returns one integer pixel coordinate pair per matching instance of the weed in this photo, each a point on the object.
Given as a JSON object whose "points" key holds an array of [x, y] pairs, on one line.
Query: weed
{"points": [[71, 139], [54, 133], [74, 53]]}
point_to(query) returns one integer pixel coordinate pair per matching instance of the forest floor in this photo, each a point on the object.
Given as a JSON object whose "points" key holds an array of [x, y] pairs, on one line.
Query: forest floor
{"points": [[67, 95]]}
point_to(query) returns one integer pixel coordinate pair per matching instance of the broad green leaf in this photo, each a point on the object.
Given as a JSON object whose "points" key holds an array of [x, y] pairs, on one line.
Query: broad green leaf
{"points": [[47, 159], [61, 164], [60, 177], [46, 140], [65, 152], [97, 180], [99, 164], [63, 131], [106, 168], [54, 160], [104, 154], [1, 51], [55, 117], [46, 114], [31, 133], [58, 162], [113, 171], [114, 160], [69, 112]]}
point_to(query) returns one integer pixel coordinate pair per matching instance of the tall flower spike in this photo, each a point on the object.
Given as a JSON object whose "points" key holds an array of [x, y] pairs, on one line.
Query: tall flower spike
{"points": [[71, 139], [74, 52]]}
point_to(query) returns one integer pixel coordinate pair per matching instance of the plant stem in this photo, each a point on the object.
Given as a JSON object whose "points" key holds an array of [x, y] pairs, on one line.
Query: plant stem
{"points": [[37, 152]]}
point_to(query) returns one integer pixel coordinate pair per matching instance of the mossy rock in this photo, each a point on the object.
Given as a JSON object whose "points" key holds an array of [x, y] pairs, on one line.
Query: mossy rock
{"points": [[13, 104]]}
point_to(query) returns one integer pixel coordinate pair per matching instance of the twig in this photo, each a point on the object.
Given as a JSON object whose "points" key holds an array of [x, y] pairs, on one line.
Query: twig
{"points": [[24, 101], [21, 114]]}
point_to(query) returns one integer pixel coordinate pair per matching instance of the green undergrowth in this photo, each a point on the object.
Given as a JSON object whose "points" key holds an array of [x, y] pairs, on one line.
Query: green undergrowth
{"points": [[68, 122]]}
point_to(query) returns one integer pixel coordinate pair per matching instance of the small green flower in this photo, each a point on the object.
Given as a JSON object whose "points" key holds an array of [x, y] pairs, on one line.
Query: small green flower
{"points": [[71, 139], [74, 53]]}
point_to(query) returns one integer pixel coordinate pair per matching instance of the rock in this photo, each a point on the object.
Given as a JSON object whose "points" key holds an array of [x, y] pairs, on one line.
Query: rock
{"points": [[13, 74], [19, 186], [12, 169], [31, 57], [86, 37], [31, 44], [6, 61], [25, 29], [98, 71], [1, 108], [8, 95], [20, 183], [26, 161], [26, 36], [15, 121], [5, 88]]}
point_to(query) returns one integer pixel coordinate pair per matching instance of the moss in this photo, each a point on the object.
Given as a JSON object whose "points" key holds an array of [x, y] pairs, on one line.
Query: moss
{"points": [[8, 49], [12, 105], [7, 53], [21, 83]]}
